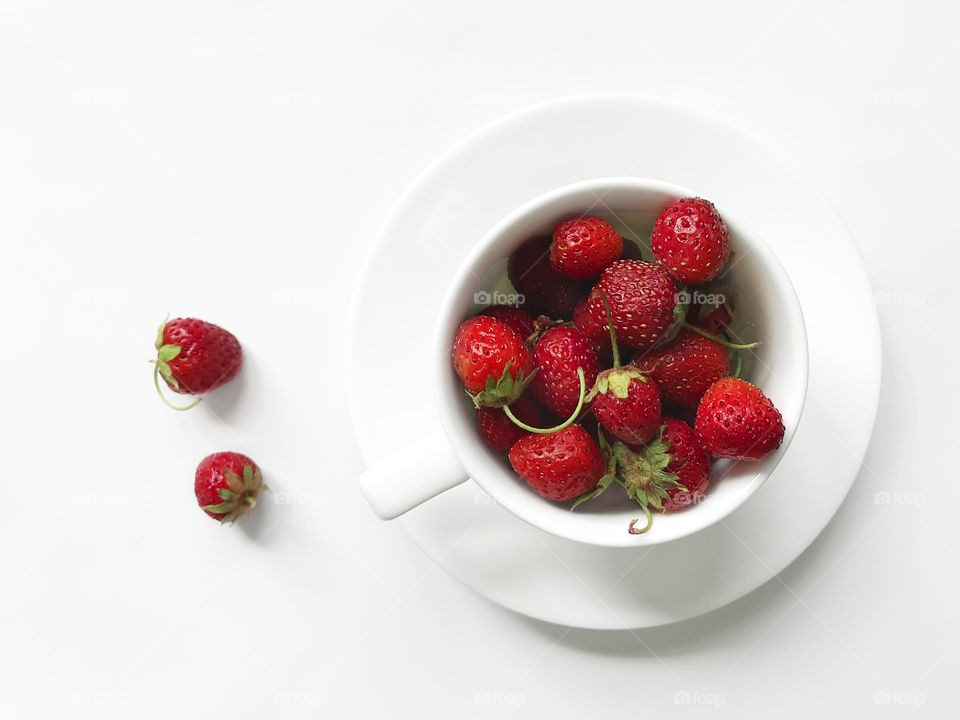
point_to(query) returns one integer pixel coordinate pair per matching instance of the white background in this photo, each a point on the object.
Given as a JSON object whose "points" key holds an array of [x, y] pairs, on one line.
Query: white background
{"points": [[232, 161]]}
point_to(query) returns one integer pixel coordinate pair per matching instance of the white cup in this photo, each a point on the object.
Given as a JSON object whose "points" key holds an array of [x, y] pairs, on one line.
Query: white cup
{"points": [[767, 309]]}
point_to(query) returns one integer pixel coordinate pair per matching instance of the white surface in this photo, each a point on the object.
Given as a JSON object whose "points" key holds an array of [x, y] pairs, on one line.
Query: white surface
{"points": [[230, 161], [535, 572]]}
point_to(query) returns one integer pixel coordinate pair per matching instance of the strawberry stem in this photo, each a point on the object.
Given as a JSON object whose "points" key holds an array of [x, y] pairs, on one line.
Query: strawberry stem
{"points": [[156, 382], [633, 530], [709, 336], [613, 334], [557, 428]]}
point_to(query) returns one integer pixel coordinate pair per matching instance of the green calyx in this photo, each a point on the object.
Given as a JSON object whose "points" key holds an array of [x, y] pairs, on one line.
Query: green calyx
{"points": [[166, 353], [504, 391], [642, 473], [617, 379], [161, 368], [646, 480], [240, 496]]}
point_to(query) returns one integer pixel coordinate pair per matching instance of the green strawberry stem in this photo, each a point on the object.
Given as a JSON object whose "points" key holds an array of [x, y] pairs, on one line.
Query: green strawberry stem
{"points": [[156, 382], [736, 373], [613, 334], [726, 344], [633, 523], [545, 431], [618, 378]]}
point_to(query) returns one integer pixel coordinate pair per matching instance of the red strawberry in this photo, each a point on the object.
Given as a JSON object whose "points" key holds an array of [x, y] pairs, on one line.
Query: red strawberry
{"points": [[492, 360], [544, 289], [716, 321], [685, 367], [498, 431], [557, 356], [687, 461], [667, 474], [643, 473], [196, 357], [625, 401], [228, 485], [560, 465], [643, 300], [736, 420], [628, 405], [690, 240], [598, 333], [512, 317], [583, 246]]}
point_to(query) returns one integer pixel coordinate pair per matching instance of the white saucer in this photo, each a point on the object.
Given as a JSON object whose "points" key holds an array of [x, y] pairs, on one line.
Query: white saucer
{"points": [[472, 187]]}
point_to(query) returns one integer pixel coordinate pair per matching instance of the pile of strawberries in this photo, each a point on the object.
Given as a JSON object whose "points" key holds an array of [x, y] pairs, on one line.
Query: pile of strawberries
{"points": [[650, 425]]}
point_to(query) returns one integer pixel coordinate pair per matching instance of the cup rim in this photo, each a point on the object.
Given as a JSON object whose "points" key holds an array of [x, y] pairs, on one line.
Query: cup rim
{"points": [[467, 445]]}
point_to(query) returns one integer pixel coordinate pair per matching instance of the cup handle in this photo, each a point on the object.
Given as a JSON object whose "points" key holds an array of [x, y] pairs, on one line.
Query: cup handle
{"points": [[412, 476]]}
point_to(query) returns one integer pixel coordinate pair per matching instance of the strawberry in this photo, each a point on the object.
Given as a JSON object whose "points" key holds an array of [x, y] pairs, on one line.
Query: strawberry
{"points": [[627, 404], [557, 356], [716, 320], [492, 360], [690, 240], [195, 357], [498, 431], [686, 460], [643, 301], [512, 317], [625, 401], [561, 465], [583, 246], [667, 474], [228, 485], [597, 332], [736, 420], [685, 367], [544, 289]]}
